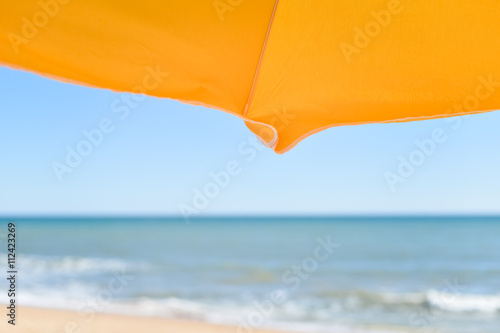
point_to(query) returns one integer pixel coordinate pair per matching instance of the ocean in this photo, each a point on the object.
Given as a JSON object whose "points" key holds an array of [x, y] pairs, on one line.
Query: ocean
{"points": [[342, 275]]}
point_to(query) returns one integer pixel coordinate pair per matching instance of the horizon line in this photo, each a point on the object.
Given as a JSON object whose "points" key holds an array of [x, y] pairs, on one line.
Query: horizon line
{"points": [[244, 216]]}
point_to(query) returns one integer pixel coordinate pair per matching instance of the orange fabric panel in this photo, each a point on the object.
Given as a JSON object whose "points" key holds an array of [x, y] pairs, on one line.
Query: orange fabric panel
{"points": [[332, 63], [192, 50]]}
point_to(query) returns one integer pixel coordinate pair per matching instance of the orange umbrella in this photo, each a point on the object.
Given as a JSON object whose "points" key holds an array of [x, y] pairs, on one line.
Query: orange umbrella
{"points": [[288, 68]]}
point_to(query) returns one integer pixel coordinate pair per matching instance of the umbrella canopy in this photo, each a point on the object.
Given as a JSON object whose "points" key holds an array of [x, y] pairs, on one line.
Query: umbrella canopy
{"points": [[288, 68]]}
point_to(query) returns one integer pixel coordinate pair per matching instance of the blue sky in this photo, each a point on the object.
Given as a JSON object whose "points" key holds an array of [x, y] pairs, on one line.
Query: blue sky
{"points": [[159, 158]]}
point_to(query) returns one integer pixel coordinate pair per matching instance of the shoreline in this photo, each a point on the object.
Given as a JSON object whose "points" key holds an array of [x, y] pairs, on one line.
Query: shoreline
{"points": [[45, 320]]}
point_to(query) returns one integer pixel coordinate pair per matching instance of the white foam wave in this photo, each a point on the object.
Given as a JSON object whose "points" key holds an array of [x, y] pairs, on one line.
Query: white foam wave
{"points": [[70, 265], [434, 299], [451, 302]]}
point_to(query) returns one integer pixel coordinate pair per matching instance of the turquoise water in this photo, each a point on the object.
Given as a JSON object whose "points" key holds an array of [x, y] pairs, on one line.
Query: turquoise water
{"points": [[373, 275]]}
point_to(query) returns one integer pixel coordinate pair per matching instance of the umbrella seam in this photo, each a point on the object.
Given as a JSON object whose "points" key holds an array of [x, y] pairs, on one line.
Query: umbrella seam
{"points": [[257, 71]]}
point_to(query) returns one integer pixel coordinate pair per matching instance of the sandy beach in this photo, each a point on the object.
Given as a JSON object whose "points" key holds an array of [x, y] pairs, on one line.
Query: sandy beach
{"points": [[36, 320]]}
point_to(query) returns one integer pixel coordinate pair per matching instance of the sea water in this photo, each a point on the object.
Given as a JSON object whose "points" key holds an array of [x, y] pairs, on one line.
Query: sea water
{"points": [[433, 274]]}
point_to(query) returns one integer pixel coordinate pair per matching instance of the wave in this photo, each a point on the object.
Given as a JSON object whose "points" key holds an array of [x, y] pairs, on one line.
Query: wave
{"points": [[72, 265], [78, 276], [76, 296], [180, 305], [432, 299], [451, 302]]}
